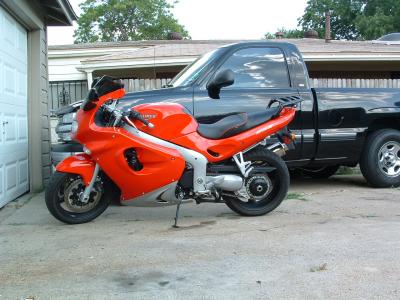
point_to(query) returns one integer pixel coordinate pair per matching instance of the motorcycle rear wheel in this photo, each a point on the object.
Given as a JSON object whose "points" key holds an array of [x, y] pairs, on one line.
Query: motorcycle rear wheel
{"points": [[277, 181], [63, 202]]}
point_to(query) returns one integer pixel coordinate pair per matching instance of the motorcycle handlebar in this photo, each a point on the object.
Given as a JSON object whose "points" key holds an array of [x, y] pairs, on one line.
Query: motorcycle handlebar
{"points": [[135, 115], [128, 116]]}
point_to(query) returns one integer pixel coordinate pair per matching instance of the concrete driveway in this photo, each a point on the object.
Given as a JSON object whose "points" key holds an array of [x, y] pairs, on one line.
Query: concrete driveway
{"points": [[333, 238]]}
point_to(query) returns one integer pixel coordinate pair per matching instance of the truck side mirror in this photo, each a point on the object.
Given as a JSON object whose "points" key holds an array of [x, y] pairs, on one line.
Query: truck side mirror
{"points": [[221, 79]]}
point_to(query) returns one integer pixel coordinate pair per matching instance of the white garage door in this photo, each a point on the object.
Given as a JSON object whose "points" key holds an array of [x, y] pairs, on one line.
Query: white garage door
{"points": [[14, 179]]}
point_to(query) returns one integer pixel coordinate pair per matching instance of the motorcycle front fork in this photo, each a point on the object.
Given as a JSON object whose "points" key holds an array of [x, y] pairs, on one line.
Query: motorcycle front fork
{"points": [[88, 189]]}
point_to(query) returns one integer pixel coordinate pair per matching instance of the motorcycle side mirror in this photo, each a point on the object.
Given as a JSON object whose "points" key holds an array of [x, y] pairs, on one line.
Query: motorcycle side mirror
{"points": [[94, 82], [222, 79], [90, 98]]}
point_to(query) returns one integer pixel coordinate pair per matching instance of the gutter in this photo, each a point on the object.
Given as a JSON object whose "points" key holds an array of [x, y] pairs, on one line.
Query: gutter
{"points": [[68, 10]]}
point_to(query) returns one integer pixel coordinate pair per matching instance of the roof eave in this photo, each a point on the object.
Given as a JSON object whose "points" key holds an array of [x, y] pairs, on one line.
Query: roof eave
{"points": [[136, 63], [184, 60], [59, 12]]}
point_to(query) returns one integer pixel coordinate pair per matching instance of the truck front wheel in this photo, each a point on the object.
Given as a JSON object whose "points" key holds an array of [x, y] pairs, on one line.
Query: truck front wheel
{"points": [[380, 159]]}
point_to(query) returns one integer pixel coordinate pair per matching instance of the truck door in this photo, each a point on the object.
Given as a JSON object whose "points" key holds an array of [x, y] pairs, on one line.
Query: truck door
{"points": [[261, 74], [340, 122]]}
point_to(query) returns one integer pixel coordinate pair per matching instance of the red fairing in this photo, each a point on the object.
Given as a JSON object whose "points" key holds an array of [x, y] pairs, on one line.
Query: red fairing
{"points": [[173, 124], [80, 164], [161, 165]]}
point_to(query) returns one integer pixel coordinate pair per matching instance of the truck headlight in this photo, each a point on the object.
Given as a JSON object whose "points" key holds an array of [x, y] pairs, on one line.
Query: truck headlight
{"points": [[68, 118], [74, 126]]}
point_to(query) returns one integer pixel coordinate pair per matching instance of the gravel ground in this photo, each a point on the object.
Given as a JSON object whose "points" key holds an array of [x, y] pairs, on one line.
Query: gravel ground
{"points": [[335, 239]]}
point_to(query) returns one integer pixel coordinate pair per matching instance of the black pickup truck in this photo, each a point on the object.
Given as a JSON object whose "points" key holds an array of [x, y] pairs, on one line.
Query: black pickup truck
{"points": [[334, 126]]}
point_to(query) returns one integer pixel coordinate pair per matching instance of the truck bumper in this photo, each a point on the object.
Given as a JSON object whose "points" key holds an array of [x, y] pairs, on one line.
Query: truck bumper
{"points": [[61, 151]]}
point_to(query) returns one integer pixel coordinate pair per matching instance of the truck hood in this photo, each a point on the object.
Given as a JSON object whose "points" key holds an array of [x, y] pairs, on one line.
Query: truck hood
{"points": [[171, 94]]}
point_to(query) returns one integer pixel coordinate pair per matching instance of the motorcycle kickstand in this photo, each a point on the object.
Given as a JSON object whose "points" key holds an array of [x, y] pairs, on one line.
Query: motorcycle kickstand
{"points": [[177, 214]]}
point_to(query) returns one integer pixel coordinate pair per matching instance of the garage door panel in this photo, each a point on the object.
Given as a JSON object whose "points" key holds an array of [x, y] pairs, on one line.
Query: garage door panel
{"points": [[2, 196], [22, 44], [9, 30], [1, 135], [14, 166], [9, 80], [11, 177], [23, 172], [10, 129], [22, 129], [22, 85]]}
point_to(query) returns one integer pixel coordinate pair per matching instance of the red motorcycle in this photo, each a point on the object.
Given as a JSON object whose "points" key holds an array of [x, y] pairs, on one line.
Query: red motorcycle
{"points": [[171, 160]]}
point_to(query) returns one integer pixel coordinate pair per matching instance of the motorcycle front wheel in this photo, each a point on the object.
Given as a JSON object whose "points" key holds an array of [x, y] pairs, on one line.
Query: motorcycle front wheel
{"points": [[261, 192], [63, 198]]}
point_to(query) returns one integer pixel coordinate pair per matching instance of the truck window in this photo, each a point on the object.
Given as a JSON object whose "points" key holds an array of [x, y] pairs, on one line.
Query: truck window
{"points": [[258, 68]]}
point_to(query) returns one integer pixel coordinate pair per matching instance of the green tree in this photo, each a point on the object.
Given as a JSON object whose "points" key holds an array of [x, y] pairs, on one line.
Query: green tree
{"points": [[126, 20], [287, 34], [343, 15], [353, 19], [379, 17]]}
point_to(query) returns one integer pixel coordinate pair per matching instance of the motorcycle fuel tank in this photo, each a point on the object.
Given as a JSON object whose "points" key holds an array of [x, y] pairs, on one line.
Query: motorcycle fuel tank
{"points": [[170, 120]]}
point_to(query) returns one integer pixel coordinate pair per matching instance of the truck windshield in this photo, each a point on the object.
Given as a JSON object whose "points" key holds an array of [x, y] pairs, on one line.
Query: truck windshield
{"points": [[192, 71]]}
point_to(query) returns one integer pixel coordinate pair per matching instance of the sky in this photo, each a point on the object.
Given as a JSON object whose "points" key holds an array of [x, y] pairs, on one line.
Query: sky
{"points": [[217, 19]]}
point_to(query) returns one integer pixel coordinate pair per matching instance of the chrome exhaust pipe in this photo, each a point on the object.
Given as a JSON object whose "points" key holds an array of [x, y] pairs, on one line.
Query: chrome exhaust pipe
{"points": [[279, 149], [227, 182]]}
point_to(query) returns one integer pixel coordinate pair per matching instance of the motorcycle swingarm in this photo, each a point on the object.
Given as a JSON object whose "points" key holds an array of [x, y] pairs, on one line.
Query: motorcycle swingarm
{"points": [[217, 169]]}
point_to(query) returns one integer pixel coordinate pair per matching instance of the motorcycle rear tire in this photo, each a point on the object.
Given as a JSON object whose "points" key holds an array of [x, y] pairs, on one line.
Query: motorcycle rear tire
{"points": [[280, 177]]}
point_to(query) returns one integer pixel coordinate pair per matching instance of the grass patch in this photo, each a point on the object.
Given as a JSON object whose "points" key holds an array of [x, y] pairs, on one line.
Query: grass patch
{"points": [[296, 196], [319, 268], [343, 170]]}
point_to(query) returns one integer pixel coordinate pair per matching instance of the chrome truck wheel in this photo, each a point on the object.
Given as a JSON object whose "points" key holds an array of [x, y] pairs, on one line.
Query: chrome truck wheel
{"points": [[380, 159], [389, 158]]}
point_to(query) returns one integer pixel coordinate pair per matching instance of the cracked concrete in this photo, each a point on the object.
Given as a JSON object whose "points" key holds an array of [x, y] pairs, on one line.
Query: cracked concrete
{"points": [[343, 242]]}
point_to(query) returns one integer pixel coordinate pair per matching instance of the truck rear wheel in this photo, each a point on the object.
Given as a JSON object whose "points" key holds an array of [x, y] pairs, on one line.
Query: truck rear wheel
{"points": [[380, 159]]}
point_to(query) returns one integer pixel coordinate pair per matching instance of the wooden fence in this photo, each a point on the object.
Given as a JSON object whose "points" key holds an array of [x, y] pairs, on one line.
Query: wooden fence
{"points": [[354, 83], [63, 93], [132, 85]]}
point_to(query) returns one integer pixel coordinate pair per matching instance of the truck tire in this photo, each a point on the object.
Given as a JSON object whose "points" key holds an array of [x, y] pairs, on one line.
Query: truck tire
{"points": [[279, 180], [321, 172], [380, 158]]}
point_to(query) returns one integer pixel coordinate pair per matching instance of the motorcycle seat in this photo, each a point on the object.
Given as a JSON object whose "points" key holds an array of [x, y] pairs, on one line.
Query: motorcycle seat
{"points": [[236, 123]]}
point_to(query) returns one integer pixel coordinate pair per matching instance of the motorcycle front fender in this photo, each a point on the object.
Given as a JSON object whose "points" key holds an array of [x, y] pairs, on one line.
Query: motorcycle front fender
{"points": [[80, 164]]}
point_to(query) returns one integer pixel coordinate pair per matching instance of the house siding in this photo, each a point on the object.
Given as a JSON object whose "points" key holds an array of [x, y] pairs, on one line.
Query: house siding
{"points": [[45, 119]]}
